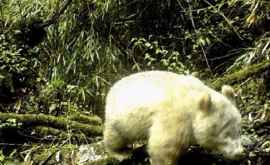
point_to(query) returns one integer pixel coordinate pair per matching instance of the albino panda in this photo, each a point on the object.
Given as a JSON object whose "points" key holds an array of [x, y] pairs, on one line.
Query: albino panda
{"points": [[170, 112]]}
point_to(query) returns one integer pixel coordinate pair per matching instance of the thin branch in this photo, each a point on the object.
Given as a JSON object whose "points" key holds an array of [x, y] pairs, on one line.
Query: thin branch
{"points": [[195, 29]]}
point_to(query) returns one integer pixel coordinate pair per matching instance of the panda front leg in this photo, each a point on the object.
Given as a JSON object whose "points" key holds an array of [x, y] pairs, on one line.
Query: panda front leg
{"points": [[168, 138], [115, 143]]}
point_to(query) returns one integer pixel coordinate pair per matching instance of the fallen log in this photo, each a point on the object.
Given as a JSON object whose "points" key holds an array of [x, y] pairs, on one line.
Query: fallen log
{"points": [[240, 75], [62, 123]]}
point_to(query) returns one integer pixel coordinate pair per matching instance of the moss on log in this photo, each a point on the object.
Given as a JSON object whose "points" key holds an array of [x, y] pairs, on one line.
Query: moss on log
{"points": [[243, 74], [86, 119], [74, 137], [62, 123], [45, 131]]}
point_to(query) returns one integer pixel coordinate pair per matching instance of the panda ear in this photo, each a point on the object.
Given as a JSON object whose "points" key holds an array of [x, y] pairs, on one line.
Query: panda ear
{"points": [[228, 92], [205, 102]]}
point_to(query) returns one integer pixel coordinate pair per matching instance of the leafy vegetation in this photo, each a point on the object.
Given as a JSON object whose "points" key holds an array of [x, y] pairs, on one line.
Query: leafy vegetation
{"points": [[59, 58]]}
